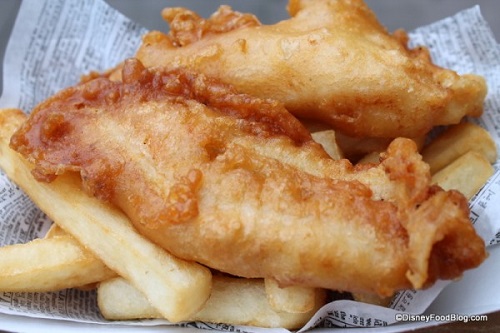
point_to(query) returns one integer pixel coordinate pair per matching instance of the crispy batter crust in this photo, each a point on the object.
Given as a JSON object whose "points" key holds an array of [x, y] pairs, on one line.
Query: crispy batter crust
{"points": [[331, 61], [236, 183]]}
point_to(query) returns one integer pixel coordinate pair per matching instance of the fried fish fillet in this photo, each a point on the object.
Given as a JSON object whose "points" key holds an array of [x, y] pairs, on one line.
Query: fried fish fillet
{"points": [[236, 183], [331, 61]]}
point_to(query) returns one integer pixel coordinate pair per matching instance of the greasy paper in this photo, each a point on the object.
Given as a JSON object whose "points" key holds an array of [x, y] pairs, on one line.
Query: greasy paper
{"points": [[54, 42]]}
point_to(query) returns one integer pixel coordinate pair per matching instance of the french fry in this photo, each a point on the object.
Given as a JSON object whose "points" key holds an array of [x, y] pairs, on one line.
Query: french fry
{"points": [[55, 231], [176, 288], [327, 140], [355, 148], [455, 142], [294, 299], [373, 157], [119, 300], [49, 264], [237, 301], [467, 174]]}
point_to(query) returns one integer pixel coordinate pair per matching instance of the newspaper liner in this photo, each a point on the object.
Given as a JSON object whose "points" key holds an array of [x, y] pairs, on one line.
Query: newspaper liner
{"points": [[53, 42]]}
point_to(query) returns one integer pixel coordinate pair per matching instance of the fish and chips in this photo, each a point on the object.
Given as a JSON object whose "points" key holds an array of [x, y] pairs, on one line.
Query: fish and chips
{"points": [[185, 183]]}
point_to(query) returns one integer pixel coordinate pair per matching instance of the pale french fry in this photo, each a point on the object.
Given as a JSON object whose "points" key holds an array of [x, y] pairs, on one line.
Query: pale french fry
{"points": [[55, 231], [49, 264], [327, 140], [294, 299], [456, 141], [176, 288], [355, 148], [373, 157], [467, 174], [234, 301], [119, 300]]}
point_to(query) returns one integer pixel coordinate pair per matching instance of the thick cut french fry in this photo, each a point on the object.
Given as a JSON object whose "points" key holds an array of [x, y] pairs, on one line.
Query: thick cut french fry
{"points": [[49, 264], [176, 288], [56, 231], [455, 142], [327, 140], [52, 257], [294, 299], [234, 301], [467, 174], [119, 300]]}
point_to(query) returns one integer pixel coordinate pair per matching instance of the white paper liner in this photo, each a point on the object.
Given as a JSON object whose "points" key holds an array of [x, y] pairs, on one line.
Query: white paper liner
{"points": [[54, 42]]}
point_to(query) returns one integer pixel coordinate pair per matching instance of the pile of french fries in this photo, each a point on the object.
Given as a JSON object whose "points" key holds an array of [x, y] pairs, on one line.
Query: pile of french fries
{"points": [[94, 245]]}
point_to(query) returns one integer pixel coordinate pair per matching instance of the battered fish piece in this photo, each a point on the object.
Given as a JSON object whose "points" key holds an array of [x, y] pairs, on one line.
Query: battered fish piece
{"points": [[331, 61], [236, 183]]}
